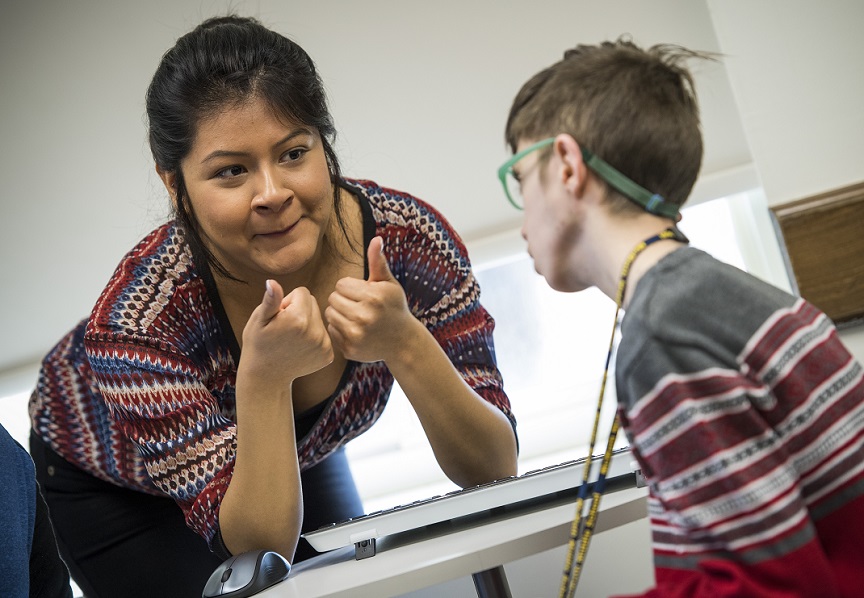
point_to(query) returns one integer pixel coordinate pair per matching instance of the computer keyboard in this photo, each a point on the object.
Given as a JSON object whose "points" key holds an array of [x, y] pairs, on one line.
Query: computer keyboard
{"points": [[546, 482]]}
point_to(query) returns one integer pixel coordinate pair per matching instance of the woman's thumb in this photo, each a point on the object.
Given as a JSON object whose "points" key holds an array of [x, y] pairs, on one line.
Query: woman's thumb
{"points": [[272, 300], [378, 269]]}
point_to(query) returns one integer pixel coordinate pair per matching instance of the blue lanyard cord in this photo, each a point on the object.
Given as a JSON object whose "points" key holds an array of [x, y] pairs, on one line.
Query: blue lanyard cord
{"points": [[583, 527]]}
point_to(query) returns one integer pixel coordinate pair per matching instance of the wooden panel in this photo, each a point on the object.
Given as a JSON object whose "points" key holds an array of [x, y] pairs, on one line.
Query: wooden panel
{"points": [[824, 244]]}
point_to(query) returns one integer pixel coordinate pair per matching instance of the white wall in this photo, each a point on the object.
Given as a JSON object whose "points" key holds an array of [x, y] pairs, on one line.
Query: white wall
{"points": [[795, 71]]}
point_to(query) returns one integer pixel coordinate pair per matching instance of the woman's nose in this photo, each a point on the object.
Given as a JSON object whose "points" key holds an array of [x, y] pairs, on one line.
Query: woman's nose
{"points": [[272, 192]]}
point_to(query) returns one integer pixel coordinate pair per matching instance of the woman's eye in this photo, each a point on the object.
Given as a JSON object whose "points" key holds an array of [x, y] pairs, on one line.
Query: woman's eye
{"points": [[295, 154], [230, 172]]}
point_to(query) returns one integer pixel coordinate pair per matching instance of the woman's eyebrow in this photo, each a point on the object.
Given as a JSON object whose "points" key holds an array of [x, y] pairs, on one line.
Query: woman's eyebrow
{"points": [[232, 154]]}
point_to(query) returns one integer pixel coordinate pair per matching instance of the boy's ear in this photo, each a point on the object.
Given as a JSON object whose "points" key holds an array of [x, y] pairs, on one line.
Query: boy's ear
{"points": [[169, 179], [574, 172]]}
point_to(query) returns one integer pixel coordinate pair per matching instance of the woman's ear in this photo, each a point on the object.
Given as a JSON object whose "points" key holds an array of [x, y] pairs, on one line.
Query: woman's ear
{"points": [[169, 179], [574, 172]]}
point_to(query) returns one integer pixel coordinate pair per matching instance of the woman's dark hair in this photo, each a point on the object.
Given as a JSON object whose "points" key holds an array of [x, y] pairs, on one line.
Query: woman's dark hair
{"points": [[227, 60]]}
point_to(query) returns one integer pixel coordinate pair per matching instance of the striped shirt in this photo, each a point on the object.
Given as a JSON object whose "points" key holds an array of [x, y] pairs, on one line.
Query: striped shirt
{"points": [[746, 414], [141, 393]]}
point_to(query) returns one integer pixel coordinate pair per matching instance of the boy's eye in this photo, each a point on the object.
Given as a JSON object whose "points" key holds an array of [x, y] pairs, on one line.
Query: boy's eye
{"points": [[231, 171]]}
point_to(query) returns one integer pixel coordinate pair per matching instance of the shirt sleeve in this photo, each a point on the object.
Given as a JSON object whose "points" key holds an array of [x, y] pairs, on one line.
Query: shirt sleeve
{"points": [[48, 573], [17, 514], [158, 399]]}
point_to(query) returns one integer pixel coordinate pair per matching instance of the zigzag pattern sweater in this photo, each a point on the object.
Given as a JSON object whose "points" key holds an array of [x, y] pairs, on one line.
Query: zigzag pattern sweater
{"points": [[746, 413], [141, 393]]}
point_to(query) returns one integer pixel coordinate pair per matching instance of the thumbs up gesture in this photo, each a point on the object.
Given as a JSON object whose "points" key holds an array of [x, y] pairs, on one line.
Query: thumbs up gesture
{"points": [[285, 336], [368, 320]]}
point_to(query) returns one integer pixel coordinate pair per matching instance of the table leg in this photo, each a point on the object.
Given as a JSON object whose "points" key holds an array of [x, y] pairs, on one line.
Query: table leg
{"points": [[491, 583]]}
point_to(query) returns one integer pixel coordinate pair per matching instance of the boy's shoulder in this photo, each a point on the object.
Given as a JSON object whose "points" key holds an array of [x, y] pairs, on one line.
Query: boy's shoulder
{"points": [[700, 282], [691, 292], [692, 314]]}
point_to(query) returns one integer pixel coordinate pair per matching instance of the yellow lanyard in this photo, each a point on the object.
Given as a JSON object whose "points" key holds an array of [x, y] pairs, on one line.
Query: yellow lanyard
{"points": [[583, 528]]}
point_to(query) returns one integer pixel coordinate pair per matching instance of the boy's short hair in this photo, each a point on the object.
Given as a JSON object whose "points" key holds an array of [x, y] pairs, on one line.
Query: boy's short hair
{"points": [[636, 109]]}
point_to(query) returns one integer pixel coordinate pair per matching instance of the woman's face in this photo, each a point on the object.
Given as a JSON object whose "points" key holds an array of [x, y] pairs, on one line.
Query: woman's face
{"points": [[260, 190]]}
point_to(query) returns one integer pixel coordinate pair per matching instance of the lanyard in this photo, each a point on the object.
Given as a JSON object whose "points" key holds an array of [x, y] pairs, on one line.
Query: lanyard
{"points": [[583, 527]]}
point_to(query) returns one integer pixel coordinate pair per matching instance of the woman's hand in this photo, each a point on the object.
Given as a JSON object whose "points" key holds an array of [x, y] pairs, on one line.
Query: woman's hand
{"points": [[285, 335], [284, 339], [369, 320]]}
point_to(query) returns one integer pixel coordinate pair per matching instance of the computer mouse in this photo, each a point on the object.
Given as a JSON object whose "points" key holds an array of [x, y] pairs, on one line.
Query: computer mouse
{"points": [[246, 574]]}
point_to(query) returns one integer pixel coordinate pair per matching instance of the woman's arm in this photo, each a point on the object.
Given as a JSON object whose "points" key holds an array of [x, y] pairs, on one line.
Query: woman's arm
{"points": [[473, 441], [283, 340], [370, 320]]}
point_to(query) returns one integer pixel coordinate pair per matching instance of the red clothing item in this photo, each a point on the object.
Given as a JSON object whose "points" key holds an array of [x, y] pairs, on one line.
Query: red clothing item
{"points": [[746, 414], [808, 572]]}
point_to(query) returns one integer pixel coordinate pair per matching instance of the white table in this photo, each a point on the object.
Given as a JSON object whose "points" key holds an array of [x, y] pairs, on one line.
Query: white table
{"points": [[477, 546]]}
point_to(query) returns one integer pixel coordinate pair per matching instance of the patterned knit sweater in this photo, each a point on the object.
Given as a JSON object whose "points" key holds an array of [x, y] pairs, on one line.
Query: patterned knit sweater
{"points": [[141, 394], [746, 413]]}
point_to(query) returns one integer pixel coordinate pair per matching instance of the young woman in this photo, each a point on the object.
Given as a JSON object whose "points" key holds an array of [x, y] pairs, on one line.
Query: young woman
{"points": [[205, 402]]}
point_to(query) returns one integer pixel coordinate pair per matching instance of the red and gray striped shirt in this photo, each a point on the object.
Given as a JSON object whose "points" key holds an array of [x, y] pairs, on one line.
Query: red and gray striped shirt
{"points": [[746, 413]]}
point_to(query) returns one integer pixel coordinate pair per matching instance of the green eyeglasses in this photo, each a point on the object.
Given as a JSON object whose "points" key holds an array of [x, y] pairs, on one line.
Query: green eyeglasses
{"points": [[651, 202]]}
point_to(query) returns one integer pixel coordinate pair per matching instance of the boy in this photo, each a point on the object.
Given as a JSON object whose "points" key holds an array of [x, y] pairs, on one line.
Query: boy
{"points": [[741, 404]]}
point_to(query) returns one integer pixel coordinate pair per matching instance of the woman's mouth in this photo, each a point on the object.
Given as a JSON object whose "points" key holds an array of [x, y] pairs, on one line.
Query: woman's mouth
{"points": [[277, 233]]}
